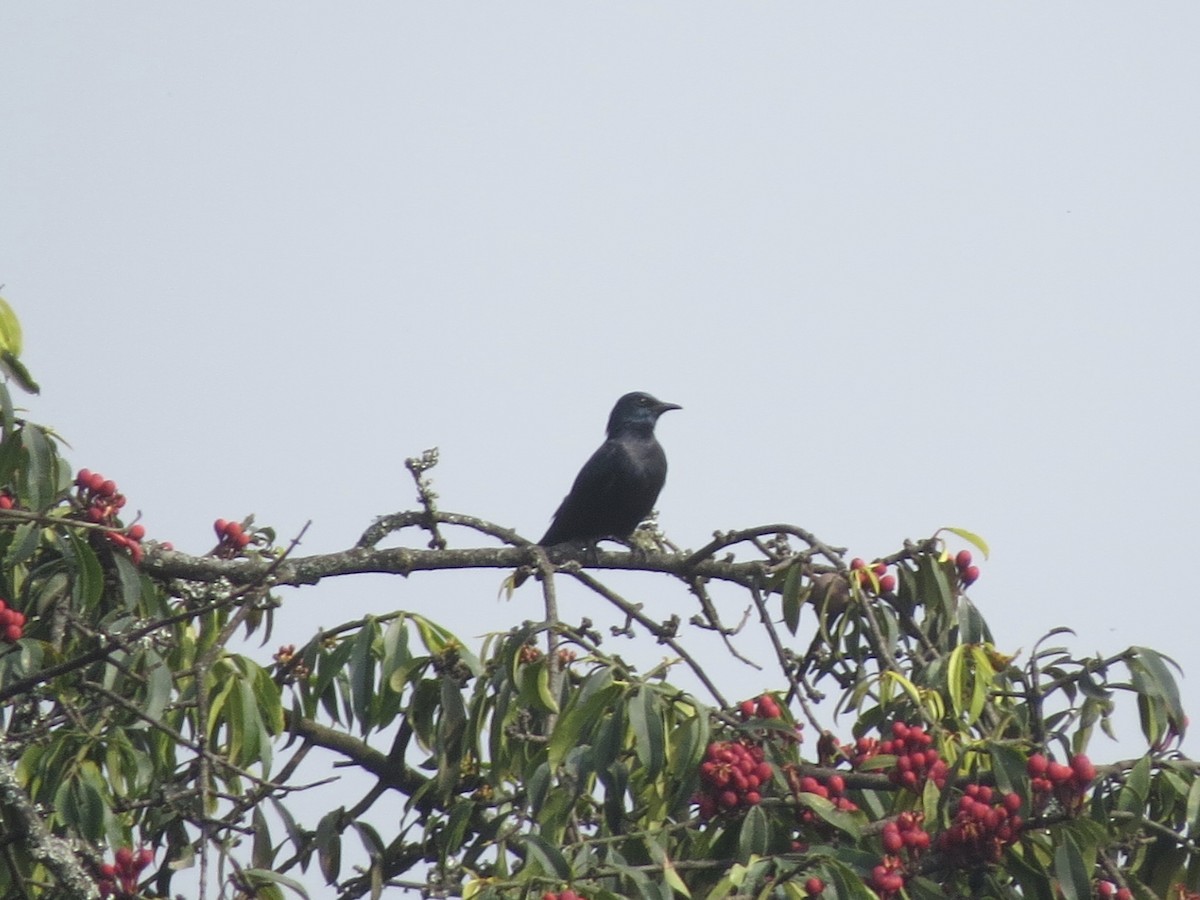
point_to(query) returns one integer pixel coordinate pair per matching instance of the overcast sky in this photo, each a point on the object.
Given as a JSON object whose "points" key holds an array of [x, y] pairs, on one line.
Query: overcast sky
{"points": [[904, 266]]}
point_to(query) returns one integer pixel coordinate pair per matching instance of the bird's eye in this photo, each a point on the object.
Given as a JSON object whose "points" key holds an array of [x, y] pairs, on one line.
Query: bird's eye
{"points": [[643, 401]]}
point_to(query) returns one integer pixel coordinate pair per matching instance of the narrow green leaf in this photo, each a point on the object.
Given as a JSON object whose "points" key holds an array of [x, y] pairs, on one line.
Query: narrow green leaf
{"points": [[793, 597], [754, 837], [1193, 806], [362, 674], [548, 857], [839, 819], [40, 482], [10, 329], [262, 854], [1135, 792], [260, 877], [329, 844], [971, 538], [648, 737], [159, 685], [25, 541], [1071, 870]]}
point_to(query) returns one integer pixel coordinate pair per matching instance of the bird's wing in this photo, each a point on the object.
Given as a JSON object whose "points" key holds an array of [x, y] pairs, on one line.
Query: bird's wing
{"points": [[596, 480]]}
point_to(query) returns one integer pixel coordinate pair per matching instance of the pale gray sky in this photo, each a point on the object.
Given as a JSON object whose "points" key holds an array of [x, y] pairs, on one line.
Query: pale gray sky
{"points": [[904, 266]]}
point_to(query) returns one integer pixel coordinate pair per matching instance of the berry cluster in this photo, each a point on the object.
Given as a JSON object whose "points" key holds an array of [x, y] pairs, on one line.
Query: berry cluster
{"points": [[120, 877], [730, 777], [860, 751], [1106, 890], [967, 573], [1066, 783], [12, 623], [906, 833], [101, 503], [763, 707], [563, 895], [917, 760], [886, 582], [831, 787], [982, 829], [232, 538], [887, 878]]}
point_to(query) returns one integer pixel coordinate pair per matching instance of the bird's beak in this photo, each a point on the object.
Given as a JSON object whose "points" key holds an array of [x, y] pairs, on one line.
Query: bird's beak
{"points": [[664, 407]]}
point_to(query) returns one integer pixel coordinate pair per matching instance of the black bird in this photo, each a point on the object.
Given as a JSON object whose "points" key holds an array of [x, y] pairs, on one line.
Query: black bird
{"points": [[616, 489]]}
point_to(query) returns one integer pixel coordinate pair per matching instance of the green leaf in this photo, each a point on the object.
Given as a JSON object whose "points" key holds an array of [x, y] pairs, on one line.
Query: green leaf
{"points": [[362, 674], [1135, 792], [546, 856], [755, 834], [40, 482], [793, 596], [971, 538], [648, 738], [972, 627], [10, 329], [159, 685], [262, 853], [1071, 870], [827, 812], [1009, 766], [329, 844], [262, 877], [15, 369], [1193, 806], [88, 579], [25, 541]]}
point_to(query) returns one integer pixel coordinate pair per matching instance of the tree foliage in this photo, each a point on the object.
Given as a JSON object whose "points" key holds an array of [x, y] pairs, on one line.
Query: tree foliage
{"points": [[144, 743]]}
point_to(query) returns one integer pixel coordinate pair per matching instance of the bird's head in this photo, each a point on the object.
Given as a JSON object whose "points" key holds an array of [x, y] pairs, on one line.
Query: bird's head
{"points": [[636, 412]]}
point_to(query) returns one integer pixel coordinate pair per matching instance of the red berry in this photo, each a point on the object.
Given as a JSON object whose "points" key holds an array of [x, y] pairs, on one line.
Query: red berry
{"points": [[220, 526], [123, 856], [814, 886], [95, 482], [753, 798], [12, 633], [145, 856], [887, 584], [137, 532], [6, 502], [857, 563], [1036, 765], [108, 870], [969, 575], [1084, 771], [880, 569], [747, 708], [1058, 773], [963, 560], [107, 488], [84, 477], [892, 841], [768, 708], [1124, 894]]}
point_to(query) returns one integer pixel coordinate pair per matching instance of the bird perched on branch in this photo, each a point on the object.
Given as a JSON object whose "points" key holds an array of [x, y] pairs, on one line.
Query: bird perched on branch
{"points": [[617, 488]]}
